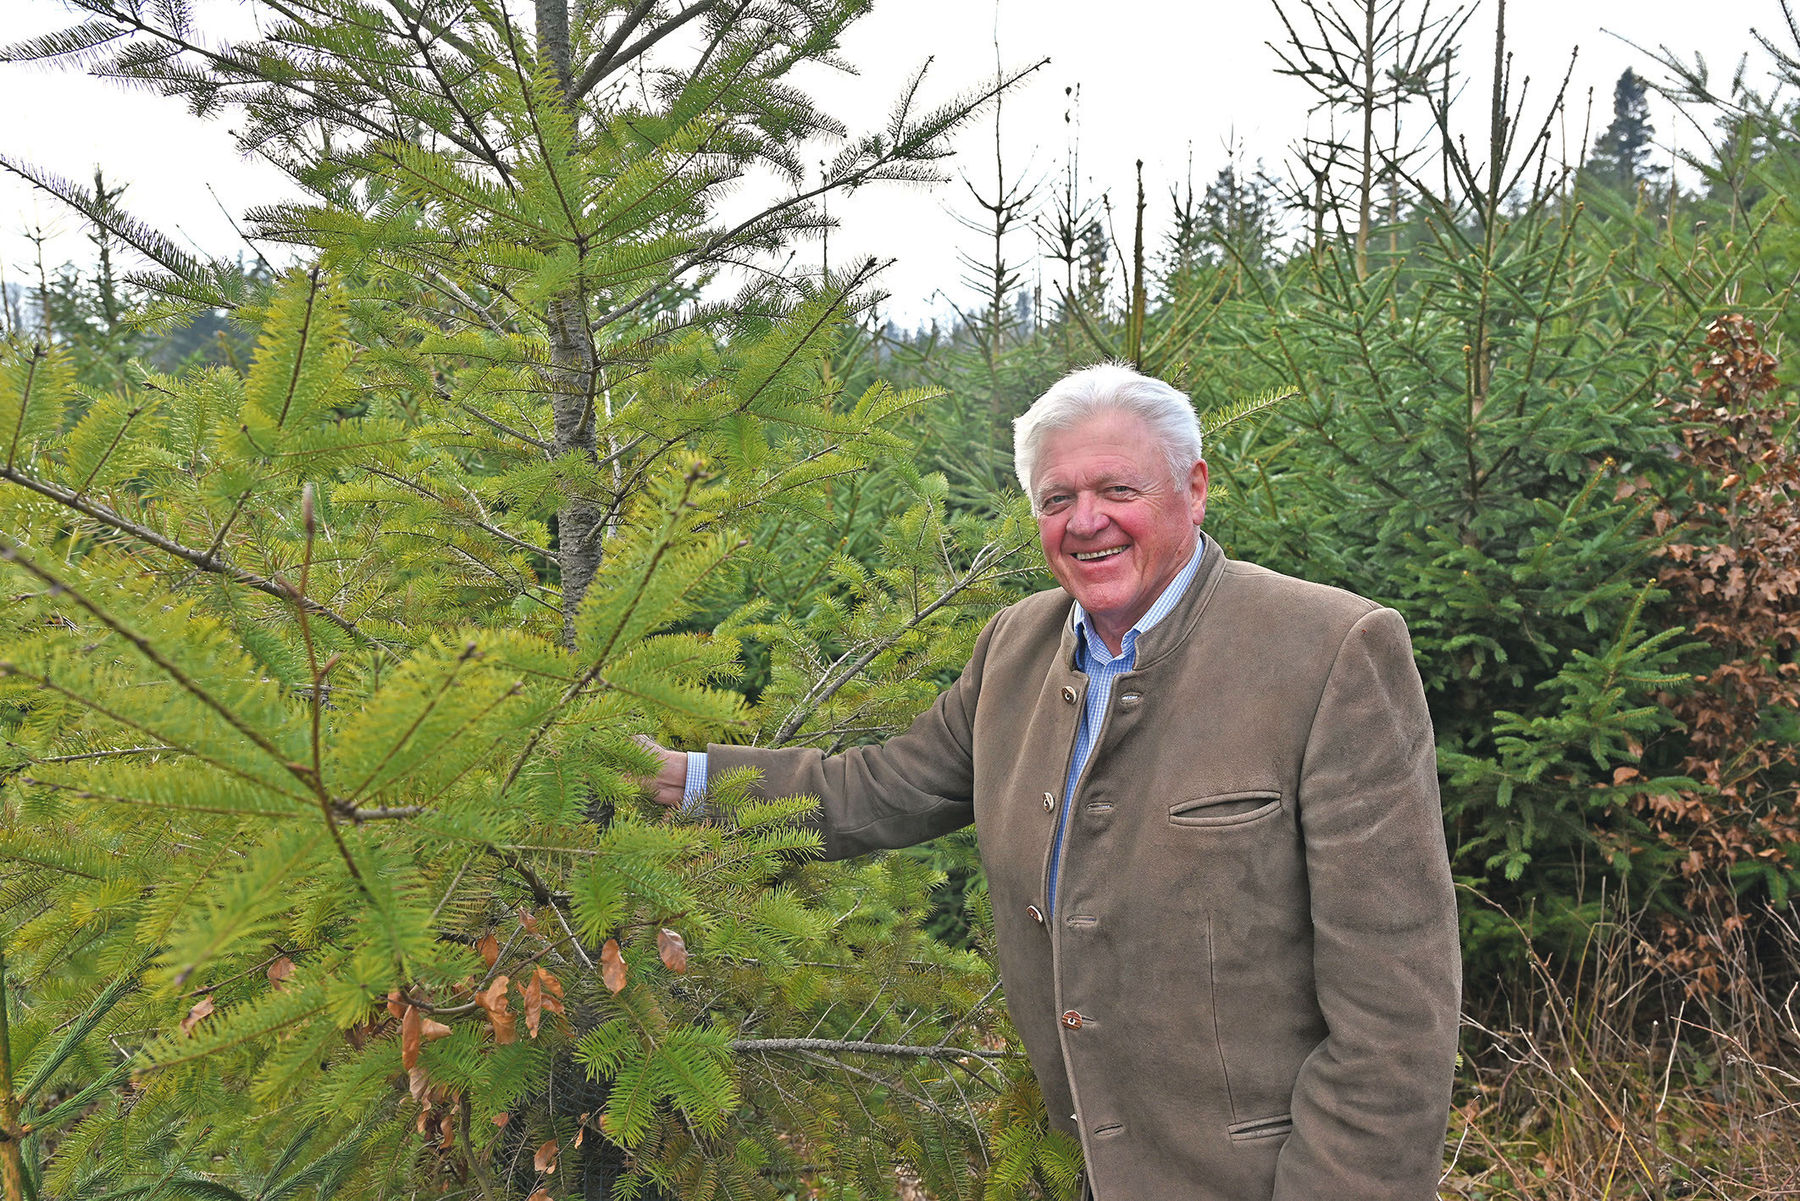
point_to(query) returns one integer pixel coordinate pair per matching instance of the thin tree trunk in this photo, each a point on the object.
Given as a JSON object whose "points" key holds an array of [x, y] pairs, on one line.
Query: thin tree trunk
{"points": [[573, 375], [1365, 193]]}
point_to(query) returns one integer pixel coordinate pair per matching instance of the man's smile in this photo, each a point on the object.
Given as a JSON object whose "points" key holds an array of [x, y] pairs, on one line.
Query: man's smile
{"points": [[1089, 556]]}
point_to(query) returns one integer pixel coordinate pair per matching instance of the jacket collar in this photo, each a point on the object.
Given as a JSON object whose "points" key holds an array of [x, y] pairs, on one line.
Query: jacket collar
{"points": [[1173, 629]]}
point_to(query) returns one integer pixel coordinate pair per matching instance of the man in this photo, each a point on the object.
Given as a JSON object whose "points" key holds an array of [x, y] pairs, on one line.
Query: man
{"points": [[1206, 798]]}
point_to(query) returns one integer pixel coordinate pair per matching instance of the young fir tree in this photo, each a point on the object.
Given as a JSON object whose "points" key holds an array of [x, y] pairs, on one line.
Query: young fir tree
{"points": [[1476, 446], [324, 871]]}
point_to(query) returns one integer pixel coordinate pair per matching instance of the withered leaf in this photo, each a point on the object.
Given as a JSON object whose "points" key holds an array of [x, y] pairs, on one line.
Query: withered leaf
{"points": [[412, 1032], [489, 947], [534, 1005], [280, 970], [501, 1119], [542, 1194], [499, 1012], [528, 920], [545, 1159], [673, 949], [201, 1008], [396, 1005], [419, 1085], [430, 1029], [612, 965], [542, 992]]}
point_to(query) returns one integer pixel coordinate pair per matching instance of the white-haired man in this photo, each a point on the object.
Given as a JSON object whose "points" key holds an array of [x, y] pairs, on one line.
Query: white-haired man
{"points": [[1206, 800]]}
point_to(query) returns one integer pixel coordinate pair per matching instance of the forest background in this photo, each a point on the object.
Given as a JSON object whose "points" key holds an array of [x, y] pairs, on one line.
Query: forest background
{"points": [[336, 592]]}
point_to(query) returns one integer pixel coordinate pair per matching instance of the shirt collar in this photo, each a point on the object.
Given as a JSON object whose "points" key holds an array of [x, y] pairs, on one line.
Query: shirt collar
{"points": [[1086, 639]]}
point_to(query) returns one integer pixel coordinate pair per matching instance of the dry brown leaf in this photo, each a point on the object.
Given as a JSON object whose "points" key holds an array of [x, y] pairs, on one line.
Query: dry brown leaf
{"points": [[501, 1119], [534, 1005], [447, 1128], [527, 920], [499, 1012], [612, 965], [419, 1085], [673, 949], [280, 970], [545, 1159], [430, 1030], [543, 1194], [489, 947], [396, 1004], [412, 1032], [553, 990], [201, 1008], [1622, 774], [542, 992]]}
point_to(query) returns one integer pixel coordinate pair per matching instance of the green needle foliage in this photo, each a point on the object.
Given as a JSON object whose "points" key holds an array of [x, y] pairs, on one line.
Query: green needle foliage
{"points": [[325, 867]]}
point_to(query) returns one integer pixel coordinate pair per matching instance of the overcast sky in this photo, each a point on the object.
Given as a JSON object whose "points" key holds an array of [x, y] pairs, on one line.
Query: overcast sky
{"points": [[1162, 80]]}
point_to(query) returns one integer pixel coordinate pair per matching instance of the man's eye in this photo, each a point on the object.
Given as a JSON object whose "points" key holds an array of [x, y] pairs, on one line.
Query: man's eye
{"points": [[1121, 491], [1055, 500]]}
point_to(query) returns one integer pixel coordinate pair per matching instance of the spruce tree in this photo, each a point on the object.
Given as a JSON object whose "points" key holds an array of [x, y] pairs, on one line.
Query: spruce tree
{"points": [[1621, 155], [325, 870]]}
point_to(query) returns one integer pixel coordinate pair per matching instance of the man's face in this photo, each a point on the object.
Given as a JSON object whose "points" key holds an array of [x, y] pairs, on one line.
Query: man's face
{"points": [[1115, 527]]}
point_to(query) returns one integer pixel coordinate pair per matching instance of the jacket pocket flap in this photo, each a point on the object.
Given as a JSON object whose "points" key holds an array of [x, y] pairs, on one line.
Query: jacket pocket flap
{"points": [[1268, 1127], [1225, 808]]}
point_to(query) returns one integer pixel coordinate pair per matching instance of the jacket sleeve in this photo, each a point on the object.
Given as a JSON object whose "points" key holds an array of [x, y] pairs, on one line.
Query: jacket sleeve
{"points": [[913, 787], [1372, 1100]]}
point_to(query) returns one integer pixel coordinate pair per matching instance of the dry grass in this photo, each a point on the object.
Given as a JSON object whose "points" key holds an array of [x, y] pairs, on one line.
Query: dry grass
{"points": [[1592, 1082]]}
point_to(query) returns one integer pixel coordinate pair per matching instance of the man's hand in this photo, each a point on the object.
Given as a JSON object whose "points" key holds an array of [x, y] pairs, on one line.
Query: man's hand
{"points": [[667, 785]]}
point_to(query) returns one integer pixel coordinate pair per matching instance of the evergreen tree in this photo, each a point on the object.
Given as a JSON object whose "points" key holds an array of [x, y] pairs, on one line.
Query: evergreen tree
{"points": [[323, 868], [1621, 155]]}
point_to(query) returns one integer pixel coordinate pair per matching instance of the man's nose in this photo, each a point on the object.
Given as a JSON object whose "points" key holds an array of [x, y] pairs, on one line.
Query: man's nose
{"points": [[1086, 517]]}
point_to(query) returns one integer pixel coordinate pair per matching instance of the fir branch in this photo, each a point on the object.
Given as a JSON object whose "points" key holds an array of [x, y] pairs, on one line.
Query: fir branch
{"points": [[12, 552], [612, 57], [85, 794], [469, 652], [827, 688], [315, 773], [207, 560], [108, 754], [592, 674], [496, 531], [89, 703], [12, 451]]}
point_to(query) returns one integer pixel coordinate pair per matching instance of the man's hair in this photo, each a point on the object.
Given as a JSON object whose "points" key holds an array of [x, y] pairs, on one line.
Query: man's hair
{"points": [[1108, 388]]}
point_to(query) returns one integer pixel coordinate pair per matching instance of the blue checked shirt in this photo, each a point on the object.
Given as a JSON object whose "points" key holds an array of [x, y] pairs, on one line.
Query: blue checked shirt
{"points": [[1103, 668]]}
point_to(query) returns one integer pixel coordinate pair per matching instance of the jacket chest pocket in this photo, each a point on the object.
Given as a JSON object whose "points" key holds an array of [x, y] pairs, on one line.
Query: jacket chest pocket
{"points": [[1226, 809]]}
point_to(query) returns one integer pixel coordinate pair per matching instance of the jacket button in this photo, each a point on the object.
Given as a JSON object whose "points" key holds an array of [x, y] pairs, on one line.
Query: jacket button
{"points": [[1049, 801], [1068, 694], [1072, 1020], [1035, 914]]}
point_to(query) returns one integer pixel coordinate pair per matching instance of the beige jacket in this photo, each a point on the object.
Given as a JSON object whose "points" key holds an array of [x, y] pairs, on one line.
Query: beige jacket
{"points": [[1250, 987]]}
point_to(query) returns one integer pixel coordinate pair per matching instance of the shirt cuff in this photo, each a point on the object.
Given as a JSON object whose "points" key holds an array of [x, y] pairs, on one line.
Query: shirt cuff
{"points": [[695, 788]]}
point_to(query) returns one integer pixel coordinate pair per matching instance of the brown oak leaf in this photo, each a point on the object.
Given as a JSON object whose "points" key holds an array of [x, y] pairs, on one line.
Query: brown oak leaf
{"points": [[280, 970], [499, 1012], [673, 949], [201, 1008], [612, 965]]}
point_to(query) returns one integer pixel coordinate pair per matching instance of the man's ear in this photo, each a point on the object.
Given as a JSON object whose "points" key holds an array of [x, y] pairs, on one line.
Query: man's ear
{"points": [[1197, 491]]}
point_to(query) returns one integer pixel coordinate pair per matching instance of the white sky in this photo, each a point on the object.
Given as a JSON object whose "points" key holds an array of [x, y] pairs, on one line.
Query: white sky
{"points": [[1159, 79]]}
